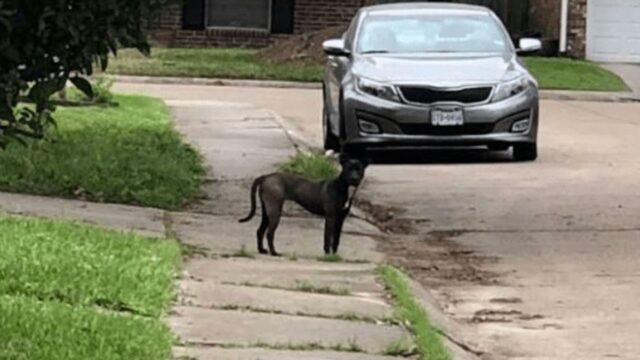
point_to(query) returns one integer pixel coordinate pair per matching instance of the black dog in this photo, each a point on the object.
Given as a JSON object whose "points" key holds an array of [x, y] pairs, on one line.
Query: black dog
{"points": [[329, 199]]}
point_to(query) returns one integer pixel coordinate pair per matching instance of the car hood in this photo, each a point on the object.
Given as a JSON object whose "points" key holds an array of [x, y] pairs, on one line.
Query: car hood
{"points": [[440, 70]]}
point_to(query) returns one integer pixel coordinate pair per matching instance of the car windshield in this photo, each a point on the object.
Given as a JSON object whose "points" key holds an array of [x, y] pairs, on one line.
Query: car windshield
{"points": [[429, 33]]}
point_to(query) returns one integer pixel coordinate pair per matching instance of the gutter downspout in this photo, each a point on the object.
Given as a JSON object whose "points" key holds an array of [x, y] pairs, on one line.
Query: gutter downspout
{"points": [[564, 26]]}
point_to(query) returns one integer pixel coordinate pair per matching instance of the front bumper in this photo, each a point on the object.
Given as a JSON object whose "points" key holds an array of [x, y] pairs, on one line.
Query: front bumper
{"points": [[408, 125]]}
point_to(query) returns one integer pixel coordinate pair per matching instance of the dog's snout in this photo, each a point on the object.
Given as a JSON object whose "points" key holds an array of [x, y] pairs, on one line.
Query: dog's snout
{"points": [[354, 179]]}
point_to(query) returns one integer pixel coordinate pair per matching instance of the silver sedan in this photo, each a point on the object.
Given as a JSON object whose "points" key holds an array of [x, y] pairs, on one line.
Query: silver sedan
{"points": [[425, 75]]}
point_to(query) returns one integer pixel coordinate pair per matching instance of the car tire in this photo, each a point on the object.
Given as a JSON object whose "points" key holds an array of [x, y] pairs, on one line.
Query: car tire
{"points": [[331, 141], [525, 152]]}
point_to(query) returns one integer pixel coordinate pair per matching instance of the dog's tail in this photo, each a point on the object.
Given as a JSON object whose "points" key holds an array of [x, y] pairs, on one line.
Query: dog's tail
{"points": [[254, 190]]}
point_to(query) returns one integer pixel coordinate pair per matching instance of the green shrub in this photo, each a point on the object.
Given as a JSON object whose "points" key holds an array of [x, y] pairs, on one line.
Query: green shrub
{"points": [[311, 165]]}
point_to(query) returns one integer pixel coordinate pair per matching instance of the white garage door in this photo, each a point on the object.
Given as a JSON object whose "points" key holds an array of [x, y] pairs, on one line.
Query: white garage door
{"points": [[613, 30]]}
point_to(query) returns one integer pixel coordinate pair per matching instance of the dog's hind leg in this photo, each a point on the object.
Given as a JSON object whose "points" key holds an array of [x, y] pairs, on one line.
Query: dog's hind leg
{"points": [[273, 212], [337, 231], [329, 226], [262, 230]]}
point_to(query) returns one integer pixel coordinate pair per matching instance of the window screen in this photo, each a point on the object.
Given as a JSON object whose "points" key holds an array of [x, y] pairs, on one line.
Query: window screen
{"points": [[253, 14]]}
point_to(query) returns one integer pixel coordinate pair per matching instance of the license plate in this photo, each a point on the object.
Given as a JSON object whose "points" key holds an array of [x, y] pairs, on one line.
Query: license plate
{"points": [[447, 117]]}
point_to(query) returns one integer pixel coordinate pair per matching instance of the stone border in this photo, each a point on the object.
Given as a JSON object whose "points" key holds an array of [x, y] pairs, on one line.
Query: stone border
{"points": [[459, 345], [163, 80], [590, 96], [561, 95]]}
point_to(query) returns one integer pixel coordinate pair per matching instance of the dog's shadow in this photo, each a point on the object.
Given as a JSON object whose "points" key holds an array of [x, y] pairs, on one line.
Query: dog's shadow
{"points": [[440, 156]]}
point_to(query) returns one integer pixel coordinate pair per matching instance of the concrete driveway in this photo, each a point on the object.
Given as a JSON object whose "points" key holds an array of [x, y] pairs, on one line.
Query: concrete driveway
{"points": [[533, 260], [629, 72]]}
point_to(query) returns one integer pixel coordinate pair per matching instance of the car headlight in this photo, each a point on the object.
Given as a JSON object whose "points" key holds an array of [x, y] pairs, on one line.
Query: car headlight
{"points": [[511, 88], [378, 89]]}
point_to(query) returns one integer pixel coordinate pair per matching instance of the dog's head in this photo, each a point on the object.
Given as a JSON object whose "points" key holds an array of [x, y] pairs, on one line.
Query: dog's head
{"points": [[353, 170]]}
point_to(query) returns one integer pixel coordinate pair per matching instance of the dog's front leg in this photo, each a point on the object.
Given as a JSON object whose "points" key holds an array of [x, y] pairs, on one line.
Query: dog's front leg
{"points": [[329, 226], [337, 231]]}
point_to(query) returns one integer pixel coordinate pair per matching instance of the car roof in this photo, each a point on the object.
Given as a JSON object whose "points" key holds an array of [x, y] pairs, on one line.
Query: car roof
{"points": [[412, 7]]}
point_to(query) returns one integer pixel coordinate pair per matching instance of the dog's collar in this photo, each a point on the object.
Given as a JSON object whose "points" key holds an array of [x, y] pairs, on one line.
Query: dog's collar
{"points": [[349, 203]]}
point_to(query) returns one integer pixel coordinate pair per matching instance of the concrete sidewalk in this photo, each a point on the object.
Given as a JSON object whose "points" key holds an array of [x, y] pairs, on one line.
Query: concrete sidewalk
{"points": [[232, 303], [238, 307], [630, 73]]}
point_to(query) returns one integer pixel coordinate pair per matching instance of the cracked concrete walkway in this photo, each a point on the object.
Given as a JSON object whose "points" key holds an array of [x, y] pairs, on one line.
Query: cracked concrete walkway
{"points": [[265, 302], [234, 306]]}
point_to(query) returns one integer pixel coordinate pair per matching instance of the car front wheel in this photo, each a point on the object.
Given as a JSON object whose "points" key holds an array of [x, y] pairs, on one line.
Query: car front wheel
{"points": [[525, 152]]}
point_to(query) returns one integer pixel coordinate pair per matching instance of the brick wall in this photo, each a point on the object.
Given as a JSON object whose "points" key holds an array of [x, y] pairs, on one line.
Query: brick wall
{"points": [[544, 16], [166, 24], [577, 34], [310, 15]]}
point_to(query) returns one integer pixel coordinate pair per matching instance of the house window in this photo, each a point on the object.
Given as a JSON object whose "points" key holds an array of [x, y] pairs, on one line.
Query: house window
{"points": [[249, 14]]}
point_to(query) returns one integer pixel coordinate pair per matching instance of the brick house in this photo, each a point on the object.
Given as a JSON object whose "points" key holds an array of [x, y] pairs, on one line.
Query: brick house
{"points": [[248, 23], [602, 30], [599, 30]]}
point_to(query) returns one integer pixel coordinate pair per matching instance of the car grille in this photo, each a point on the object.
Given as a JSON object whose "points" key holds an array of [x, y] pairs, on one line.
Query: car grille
{"points": [[424, 95], [427, 129]]}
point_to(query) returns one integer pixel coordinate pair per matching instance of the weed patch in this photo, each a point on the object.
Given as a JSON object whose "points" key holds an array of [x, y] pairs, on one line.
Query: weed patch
{"points": [[409, 311], [311, 166]]}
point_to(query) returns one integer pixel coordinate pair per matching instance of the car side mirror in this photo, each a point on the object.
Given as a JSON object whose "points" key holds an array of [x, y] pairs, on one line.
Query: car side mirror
{"points": [[528, 45], [335, 47]]}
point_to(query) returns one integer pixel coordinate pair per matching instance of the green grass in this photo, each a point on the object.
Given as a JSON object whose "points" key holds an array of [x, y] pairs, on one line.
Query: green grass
{"points": [[211, 63], [241, 253], [350, 346], [34, 330], [300, 286], [80, 265], [310, 165], [552, 73], [344, 316], [330, 258], [126, 154], [327, 290], [399, 348], [71, 291], [569, 74], [408, 310]]}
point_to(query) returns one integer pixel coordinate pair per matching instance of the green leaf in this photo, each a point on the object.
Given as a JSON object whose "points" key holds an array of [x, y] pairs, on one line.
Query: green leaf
{"points": [[83, 85], [104, 62]]}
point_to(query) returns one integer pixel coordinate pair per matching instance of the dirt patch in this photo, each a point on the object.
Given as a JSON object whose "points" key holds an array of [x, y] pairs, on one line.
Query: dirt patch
{"points": [[433, 259], [436, 259], [306, 47], [495, 316], [502, 316], [506, 301], [386, 218]]}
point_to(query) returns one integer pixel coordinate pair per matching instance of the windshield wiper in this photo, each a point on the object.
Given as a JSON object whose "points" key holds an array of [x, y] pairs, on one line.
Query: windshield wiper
{"points": [[375, 52]]}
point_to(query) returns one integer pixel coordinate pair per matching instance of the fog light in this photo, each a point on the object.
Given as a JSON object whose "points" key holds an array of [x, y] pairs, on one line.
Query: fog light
{"points": [[520, 126], [369, 127]]}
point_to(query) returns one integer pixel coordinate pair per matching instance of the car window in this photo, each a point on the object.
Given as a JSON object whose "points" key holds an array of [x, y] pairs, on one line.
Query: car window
{"points": [[350, 33], [431, 33]]}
